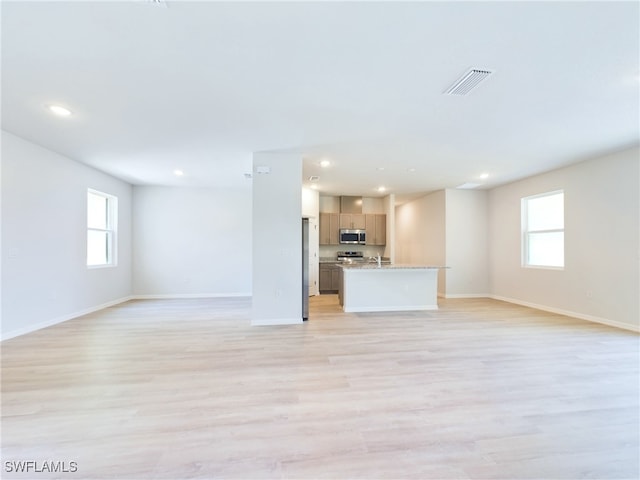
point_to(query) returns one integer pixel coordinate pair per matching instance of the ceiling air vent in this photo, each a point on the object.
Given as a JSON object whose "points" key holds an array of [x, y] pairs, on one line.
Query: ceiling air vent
{"points": [[468, 82]]}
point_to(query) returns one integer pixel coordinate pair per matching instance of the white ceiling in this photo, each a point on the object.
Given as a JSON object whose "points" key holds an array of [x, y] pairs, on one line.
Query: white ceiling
{"points": [[200, 86]]}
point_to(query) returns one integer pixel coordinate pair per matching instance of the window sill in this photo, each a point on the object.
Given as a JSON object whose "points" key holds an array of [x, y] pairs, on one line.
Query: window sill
{"points": [[542, 267], [93, 267]]}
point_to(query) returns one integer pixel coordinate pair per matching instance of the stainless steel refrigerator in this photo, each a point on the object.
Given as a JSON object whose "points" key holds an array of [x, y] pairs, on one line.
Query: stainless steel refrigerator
{"points": [[305, 269]]}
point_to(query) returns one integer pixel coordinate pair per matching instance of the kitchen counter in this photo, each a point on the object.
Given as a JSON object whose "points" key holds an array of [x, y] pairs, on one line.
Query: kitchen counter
{"points": [[352, 261], [392, 287], [387, 266]]}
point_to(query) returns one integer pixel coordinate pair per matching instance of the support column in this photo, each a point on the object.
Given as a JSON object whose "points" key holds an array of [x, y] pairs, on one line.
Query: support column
{"points": [[277, 239]]}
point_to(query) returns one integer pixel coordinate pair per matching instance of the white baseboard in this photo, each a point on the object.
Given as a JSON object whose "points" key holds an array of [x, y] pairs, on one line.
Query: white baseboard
{"points": [[467, 295], [568, 313], [169, 296], [260, 322], [407, 308], [54, 321], [63, 318]]}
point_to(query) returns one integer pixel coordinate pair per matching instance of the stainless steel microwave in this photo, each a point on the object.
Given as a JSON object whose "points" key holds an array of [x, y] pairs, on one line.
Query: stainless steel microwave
{"points": [[358, 237]]}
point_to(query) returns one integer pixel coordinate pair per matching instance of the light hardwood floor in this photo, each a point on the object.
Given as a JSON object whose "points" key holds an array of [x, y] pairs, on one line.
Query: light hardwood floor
{"points": [[173, 389]]}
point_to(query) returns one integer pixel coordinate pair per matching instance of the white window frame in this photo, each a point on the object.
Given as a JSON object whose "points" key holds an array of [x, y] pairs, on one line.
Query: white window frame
{"points": [[110, 230], [526, 231]]}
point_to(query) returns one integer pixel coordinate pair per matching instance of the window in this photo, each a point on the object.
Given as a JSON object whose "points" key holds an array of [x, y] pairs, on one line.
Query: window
{"points": [[102, 221], [543, 230]]}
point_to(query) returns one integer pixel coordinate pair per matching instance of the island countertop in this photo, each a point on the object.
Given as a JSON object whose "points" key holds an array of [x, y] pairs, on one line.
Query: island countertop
{"points": [[388, 266]]}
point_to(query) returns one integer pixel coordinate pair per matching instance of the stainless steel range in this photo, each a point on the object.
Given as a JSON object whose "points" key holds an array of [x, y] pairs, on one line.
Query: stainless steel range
{"points": [[349, 257]]}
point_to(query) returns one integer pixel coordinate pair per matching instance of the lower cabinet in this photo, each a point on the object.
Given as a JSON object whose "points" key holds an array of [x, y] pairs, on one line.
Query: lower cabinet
{"points": [[330, 277]]}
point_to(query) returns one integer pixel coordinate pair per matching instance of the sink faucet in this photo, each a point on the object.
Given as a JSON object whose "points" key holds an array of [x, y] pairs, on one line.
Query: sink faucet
{"points": [[377, 259]]}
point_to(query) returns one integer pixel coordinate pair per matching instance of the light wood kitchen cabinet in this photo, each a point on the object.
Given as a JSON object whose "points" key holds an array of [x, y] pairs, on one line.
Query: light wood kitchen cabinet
{"points": [[329, 229], [353, 221], [325, 278], [376, 226], [330, 278]]}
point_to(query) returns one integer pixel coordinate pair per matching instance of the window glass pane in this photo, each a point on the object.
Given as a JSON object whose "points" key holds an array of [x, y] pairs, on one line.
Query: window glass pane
{"points": [[546, 249], [545, 213], [96, 211], [97, 247], [102, 221]]}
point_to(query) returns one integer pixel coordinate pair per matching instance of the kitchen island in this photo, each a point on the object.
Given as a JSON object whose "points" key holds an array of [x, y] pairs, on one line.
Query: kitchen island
{"points": [[386, 288]]}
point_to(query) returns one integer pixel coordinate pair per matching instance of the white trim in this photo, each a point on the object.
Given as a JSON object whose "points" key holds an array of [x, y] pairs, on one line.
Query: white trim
{"points": [[466, 295], [260, 322], [63, 318], [581, 316], [169, 296], [403, 308], [542, 267], [105, 265], [71, 316]]}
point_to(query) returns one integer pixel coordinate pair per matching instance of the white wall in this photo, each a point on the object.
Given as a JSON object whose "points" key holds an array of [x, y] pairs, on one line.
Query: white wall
{"points": [[310, 203], [420, 233], [277, 239], [191, 241], [44, 222], [600, 280], [447, 228], [466, 243]]}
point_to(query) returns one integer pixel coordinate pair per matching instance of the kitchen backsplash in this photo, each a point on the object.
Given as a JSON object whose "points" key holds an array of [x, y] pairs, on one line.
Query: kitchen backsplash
{"points": [[331, 251]]}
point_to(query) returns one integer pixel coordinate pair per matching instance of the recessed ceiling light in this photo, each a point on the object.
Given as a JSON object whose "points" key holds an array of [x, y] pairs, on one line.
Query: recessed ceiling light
{"points": [[325, 163], [484, 175], [314, 178], [381, 188], [411, 169], [380, 169], [59, 110], [178, 173]]}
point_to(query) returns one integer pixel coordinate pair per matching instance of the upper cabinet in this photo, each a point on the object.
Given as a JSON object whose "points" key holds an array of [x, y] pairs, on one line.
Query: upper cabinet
{"points": [[329, 229], [376, 226], [353, 221]]}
